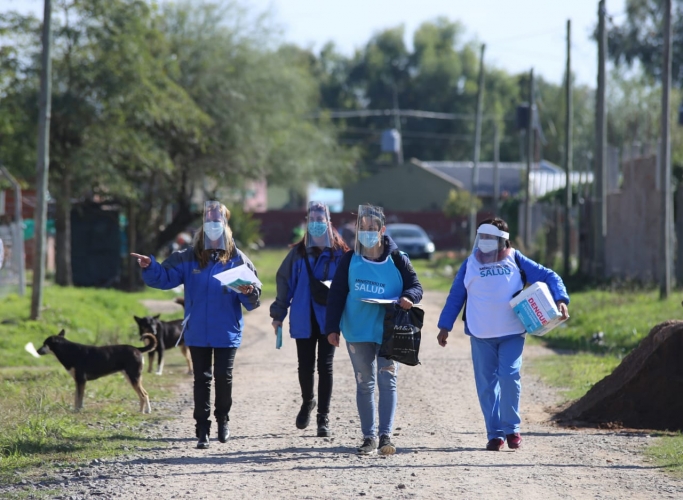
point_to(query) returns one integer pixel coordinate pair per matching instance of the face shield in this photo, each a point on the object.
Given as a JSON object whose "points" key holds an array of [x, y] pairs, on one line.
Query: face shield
{"points": [[369, 231], [214, 226], [489, 245], [318, 228]]}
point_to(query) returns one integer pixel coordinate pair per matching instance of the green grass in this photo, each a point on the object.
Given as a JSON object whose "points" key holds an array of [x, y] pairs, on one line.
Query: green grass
{"points": [[575, 374], [38, 427], [267, 262], [667, 452]]}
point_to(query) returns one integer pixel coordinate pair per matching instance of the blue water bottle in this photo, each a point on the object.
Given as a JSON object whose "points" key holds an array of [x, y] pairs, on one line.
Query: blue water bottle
{"points": [[278, 338]]}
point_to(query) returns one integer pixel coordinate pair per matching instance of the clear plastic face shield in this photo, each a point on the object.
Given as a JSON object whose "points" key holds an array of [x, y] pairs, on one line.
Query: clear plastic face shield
{"points": [[370, 231], [489, 245], [318, 227], [214, 226]]}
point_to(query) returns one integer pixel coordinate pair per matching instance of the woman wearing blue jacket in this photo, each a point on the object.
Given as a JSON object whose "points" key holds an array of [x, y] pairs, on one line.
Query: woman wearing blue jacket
{"points": [[486, 282], [315, 257], [213, 312], [374, 270]]}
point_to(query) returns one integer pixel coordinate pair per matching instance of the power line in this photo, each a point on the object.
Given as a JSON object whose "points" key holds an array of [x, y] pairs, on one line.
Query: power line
{"points": [[409, 113]]}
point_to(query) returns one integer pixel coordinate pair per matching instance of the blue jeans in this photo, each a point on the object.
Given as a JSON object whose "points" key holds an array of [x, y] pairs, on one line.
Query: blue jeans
{"points": [[497, 363], [370, 369]]}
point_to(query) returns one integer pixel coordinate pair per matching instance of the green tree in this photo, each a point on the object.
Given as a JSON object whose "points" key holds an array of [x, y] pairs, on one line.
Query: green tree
{"points": [[459, 202]]}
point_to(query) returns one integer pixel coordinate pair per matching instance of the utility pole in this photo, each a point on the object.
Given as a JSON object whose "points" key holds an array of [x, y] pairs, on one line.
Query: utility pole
{"points": [[529, 160], [568, 155], [397, 126], [599, 207], [667, 201], [477, 141], [42, 164], [496, 171]]}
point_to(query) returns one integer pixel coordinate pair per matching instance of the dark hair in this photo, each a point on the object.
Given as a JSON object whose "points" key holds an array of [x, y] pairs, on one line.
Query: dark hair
{"points": [[500, 224], [376, 214]]}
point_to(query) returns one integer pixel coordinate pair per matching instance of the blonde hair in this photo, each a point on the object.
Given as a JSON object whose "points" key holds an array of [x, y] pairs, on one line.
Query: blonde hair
{"points": [[202, 254]]}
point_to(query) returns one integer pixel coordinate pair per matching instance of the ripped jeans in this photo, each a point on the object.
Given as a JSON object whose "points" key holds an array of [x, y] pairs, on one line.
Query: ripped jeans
{"points": [[370, 369]]}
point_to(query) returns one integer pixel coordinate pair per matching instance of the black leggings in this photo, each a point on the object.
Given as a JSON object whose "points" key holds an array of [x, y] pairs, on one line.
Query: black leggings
{"points": [[223, 361], [306, 350]]}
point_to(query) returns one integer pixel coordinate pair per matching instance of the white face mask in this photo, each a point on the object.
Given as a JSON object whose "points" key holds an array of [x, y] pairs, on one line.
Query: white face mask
{"points": [[488, 246], [213, 230]]}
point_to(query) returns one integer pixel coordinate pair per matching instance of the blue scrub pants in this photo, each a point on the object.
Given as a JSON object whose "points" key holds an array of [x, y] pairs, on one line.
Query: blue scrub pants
{"points": [[497, 363]]}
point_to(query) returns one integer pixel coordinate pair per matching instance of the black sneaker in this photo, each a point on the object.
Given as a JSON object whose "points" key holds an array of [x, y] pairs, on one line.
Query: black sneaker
{"points": [[223, 430], [323, 425], [386, 447], [369, 447], [304, 416]]}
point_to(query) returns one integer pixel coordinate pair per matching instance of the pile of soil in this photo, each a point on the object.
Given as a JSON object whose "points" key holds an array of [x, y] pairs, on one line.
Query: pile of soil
{"points": [[643, 392]]}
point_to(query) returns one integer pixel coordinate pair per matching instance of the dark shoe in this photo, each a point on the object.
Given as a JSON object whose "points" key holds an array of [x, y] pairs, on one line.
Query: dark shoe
{"points": [[203, 429], [386, 447], [495, 444], [304, 416], [369, 447], [323, 425], [223, 430], [514, 440]]}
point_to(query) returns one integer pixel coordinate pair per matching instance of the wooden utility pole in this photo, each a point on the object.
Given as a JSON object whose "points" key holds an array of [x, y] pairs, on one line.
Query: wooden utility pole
{"points": [[667, 201], [599, 207], [477, 142], [568, 154], [42, 164], [529, 160], [496, 170]]}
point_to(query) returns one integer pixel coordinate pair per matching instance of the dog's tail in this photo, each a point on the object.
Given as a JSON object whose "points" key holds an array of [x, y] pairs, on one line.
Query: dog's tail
{"points": [[150, 345]]}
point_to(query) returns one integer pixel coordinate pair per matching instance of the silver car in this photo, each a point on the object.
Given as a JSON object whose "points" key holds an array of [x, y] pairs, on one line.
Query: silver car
{"points": [[411, 239]]}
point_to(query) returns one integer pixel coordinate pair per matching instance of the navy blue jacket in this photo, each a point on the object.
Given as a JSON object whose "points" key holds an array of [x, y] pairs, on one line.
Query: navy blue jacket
{"points": [[336, 300], [294, 291]]}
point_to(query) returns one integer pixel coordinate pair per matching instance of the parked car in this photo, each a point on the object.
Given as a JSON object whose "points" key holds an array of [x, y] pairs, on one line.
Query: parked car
{"points": [[411, 239]]}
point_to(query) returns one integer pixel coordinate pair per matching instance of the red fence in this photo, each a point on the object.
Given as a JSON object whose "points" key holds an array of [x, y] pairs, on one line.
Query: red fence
{"points": [[447, 233]]}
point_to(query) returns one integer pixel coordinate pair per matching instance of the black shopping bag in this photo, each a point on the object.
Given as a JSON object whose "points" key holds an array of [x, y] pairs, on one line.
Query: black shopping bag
{"points": [[402, 334]]}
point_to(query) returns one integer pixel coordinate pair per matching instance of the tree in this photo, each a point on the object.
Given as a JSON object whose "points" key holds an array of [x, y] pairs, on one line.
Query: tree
{"points": [[459, 202]]}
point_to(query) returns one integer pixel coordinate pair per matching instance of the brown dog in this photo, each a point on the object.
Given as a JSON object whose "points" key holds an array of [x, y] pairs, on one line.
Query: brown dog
{"points": [[87, 362]]}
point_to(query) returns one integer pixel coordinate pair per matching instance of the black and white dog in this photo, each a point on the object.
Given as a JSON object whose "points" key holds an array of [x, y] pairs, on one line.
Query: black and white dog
{"points": [[167, 334]]}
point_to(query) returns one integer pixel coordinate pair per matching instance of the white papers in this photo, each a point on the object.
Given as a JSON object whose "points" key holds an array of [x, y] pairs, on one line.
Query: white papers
{"points": [[327, 283], [238, 276], [31, 350], [386, 301], [380, 301]]}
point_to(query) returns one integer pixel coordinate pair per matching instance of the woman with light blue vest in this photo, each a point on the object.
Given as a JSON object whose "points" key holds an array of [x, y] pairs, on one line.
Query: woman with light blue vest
{"points": [[374, 270], [213, 312], [486, 282], [314, 258]]}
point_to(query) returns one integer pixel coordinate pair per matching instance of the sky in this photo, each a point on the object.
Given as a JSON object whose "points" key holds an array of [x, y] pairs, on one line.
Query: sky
{"points": [[519, 34]]}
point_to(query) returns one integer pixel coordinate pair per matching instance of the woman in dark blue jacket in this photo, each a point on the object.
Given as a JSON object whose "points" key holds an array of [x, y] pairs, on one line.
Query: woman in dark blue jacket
{"points": [[213, 312], [322, 247], [374, 270]]}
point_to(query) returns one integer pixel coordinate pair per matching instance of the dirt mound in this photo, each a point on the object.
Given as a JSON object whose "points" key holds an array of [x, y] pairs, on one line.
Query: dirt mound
{"points": [[644, 391]]}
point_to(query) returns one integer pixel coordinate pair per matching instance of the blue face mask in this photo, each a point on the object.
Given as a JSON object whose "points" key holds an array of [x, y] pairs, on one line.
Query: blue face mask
{"points": [[317, 229], [213, 230], [368, 239]]}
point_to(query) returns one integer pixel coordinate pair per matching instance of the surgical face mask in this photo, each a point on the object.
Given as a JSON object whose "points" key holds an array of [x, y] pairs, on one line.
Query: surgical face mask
{"points": [[213, 230], [317, 229], [368, 238], [488, 246]]}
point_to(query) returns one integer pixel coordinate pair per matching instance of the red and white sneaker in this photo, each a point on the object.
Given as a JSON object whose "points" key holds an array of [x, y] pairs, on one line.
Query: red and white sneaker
{"points": [[495, 444], [514, 440]]}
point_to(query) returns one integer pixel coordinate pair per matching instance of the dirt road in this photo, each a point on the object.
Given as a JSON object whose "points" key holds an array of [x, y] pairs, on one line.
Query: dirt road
{"points": [[439, 435]]}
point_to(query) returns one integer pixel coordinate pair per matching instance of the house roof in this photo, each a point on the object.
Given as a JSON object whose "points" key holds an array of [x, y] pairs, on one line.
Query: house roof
{"points": [[544, 176]]}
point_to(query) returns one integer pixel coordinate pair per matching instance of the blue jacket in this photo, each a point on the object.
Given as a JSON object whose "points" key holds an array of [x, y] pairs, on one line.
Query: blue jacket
{"points": [[214, 310], [339, 291], [534, 273], [294, 291]]}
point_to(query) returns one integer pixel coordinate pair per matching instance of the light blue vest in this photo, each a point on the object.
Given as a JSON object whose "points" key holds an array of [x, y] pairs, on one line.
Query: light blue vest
{"points": [[363, 322]]}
